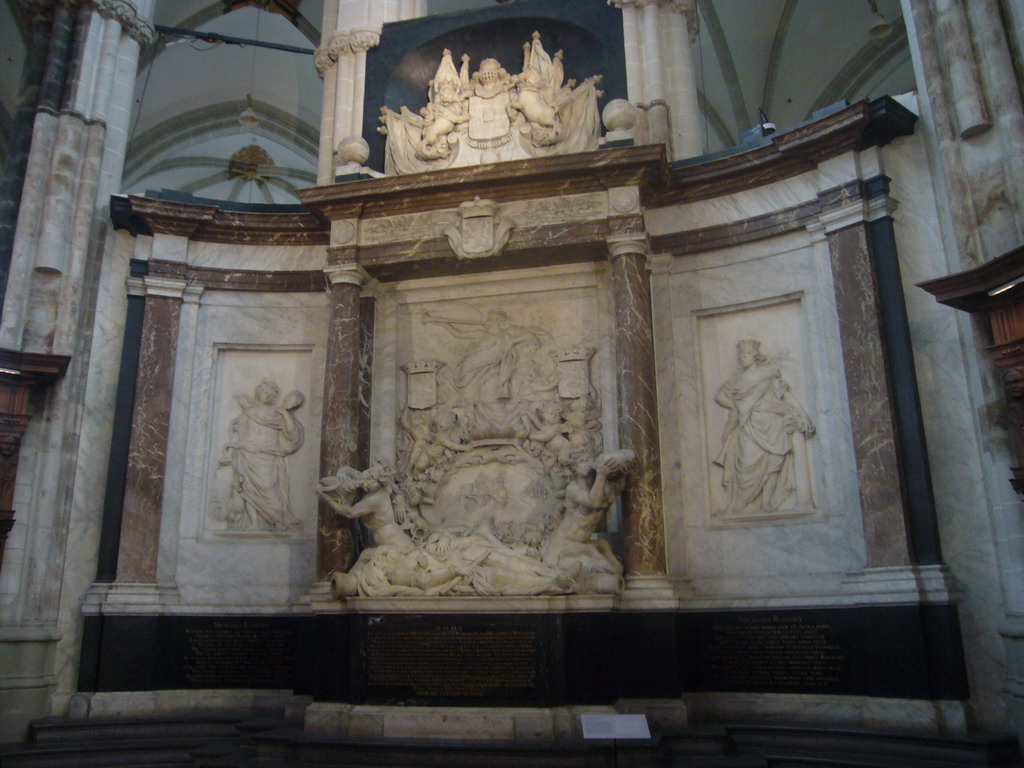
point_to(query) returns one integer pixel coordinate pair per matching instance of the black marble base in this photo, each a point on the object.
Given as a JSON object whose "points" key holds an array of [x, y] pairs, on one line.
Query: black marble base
{"points": [[544, 659]]}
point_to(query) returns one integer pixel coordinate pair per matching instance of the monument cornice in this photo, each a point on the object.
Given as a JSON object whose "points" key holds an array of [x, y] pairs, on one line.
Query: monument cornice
{"points": [[646, 168], [210, 223]]}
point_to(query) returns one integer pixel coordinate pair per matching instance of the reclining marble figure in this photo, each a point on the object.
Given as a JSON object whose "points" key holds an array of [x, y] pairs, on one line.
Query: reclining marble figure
{"points": [[408, 559]]}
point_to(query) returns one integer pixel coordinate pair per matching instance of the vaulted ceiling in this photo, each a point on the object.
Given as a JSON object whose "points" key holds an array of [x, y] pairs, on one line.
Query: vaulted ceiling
{"points": [[788, 57]]}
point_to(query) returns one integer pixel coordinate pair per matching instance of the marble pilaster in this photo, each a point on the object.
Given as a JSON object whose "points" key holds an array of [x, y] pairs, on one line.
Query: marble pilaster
{"points": [[151, 419], [339, 443], [643, 526], [871, 413]]}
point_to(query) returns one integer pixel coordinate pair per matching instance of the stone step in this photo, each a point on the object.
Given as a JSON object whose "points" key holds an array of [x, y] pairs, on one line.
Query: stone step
{"points": [[57, 729], [320, 750], [974, 749], [138, 753]]}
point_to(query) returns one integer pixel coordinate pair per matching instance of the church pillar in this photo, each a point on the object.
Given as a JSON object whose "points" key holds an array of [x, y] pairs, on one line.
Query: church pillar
{"points": [[658, 38], [339, 444], [12, 178], [151, 422], [341, 62], [872, 421], [643, 525], [679, 29]]}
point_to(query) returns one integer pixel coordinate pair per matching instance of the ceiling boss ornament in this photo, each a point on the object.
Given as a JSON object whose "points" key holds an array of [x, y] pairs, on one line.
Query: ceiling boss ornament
{"points": [[494, 116]]}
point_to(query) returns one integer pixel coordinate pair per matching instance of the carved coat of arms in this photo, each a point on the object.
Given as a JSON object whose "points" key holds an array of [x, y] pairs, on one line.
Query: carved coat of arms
{"points": [[492, 115]]}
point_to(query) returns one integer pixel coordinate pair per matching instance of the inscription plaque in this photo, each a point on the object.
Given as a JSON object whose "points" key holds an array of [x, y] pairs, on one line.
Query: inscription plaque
{"points": [[235, 653], [784, 652], [447, 659]]}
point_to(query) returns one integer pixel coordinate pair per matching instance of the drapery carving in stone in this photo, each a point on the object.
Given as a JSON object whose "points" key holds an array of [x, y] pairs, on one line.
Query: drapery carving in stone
{"points": [[260, 438], [763, 457], [500, 481], [493, 115]]}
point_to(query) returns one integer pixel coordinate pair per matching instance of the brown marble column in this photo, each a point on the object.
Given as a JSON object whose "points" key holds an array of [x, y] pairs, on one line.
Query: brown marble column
{"points": [[339, 432], [151, 423], [643, 524], [871, 413]]}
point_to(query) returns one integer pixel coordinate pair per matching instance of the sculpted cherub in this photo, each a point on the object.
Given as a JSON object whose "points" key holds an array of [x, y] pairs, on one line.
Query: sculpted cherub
{"points": [[444, 111], [545, 426], [426, 450]]}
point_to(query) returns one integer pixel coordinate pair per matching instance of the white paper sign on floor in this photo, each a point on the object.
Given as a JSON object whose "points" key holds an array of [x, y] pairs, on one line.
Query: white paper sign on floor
{"points": [[615, 727]]}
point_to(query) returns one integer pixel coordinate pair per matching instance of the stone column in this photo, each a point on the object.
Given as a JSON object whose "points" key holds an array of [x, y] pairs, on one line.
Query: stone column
{"points": [[643, 525], [327, 68], [151, 422], [872, 420], [680, 30], [340, 427], [12, 178]]}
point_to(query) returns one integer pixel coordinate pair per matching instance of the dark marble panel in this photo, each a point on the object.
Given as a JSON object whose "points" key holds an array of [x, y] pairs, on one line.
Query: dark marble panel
{"points": [[913, 450], [120, 441], [147, 456], [912, 651], [290, 281], [400, 67], [643, 525], [903, 652], [527, 247], [580, 173], [207, 220], [458, 660], [737, 232], [339, 430], [367, 326], [871, 411]]}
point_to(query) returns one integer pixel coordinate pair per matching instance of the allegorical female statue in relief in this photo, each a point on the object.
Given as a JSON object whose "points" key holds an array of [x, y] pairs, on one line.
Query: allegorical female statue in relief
{"points": [[757, 456]]}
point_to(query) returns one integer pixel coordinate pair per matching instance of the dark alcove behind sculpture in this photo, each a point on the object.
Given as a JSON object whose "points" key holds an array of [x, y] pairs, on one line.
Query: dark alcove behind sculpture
{"points": [[399, 69]]}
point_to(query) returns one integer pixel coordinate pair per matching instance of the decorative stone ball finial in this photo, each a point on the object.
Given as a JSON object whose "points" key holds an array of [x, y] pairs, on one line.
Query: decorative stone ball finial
{"points": [[353, 149], [618, 115]]}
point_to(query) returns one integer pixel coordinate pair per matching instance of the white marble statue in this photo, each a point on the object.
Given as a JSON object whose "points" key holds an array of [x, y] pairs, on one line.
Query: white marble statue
{"points": [[517, 559], [486, 371], [500, 483], [571, 547], [260, 438], [492, 115], [757, 455]]}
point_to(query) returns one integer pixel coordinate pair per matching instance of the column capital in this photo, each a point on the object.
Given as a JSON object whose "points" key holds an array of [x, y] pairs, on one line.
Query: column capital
{"points": [[620, 245], [126, 14], [346, 274], [344, 44], [167, 287]]}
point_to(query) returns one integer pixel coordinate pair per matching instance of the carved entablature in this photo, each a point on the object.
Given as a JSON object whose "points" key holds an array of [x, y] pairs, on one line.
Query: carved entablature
{"points": [[494, 116]]}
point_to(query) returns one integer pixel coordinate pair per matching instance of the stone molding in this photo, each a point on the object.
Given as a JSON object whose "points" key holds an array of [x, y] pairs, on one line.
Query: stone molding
{"points": [[346, 274], [126, 14], [344, 44], [620, 245], [165, 286], [686, 7]]}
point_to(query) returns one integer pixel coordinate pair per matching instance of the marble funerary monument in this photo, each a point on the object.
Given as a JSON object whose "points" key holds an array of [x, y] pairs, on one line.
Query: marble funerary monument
{"points": [[525, 411]]}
